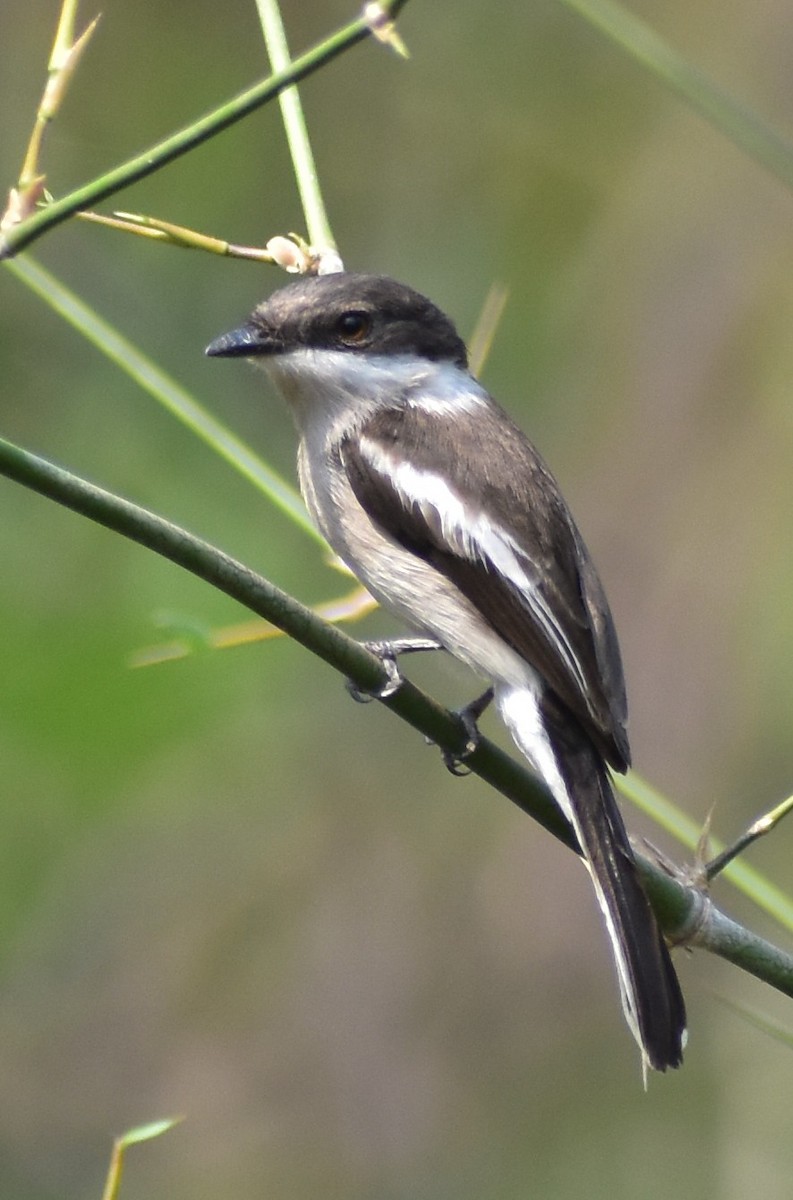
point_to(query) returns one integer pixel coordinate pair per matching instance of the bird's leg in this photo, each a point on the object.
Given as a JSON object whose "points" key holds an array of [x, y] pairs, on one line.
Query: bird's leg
{"points": [[388, 650], [469, 716]]}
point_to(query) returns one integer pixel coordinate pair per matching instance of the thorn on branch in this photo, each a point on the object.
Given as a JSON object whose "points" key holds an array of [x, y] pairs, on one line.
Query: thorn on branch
{"points": [[22, 202], [384, 28]]}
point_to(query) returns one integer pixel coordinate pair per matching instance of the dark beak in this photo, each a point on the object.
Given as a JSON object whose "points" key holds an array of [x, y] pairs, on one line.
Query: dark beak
{"points": [[245, 342]]}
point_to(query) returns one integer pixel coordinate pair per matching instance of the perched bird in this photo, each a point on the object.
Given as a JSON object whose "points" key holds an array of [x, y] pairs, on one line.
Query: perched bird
{"points": [[444, 510]]}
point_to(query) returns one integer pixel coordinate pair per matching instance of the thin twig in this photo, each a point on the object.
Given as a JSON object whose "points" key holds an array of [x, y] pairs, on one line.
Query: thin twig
{"points": [[757, 829], [741, 874], [481, 339], [157, 156], [175, 235], [164, 389], [143, 1133], [64, 59], [320, 234]]}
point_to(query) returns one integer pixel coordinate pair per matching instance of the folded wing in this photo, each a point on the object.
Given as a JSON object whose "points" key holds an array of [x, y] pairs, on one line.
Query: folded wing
{"points": [[506, 540]]}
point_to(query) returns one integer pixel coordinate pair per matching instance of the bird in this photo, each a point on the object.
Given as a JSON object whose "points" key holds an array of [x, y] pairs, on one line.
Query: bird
{"points": [[444, 510]]}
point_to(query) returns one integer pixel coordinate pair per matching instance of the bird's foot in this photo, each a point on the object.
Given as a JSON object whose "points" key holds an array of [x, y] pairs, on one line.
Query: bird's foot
{"points": [[388, 650], [469, 716]]}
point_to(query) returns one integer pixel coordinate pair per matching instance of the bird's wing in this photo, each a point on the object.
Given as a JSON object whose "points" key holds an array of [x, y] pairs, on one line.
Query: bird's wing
{"points": [[489, 516]]}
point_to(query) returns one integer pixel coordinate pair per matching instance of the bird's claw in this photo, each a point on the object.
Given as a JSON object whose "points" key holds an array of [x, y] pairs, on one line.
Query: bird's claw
{"points": [[391, 685], [468, 716], [455, 763], [387, 651]]}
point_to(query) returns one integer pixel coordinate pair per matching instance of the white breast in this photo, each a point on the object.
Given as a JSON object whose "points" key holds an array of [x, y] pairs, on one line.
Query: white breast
{"points": [[325, 394]]}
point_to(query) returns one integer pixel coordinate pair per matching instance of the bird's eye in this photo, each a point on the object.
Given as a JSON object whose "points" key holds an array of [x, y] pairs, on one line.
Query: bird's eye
{"points": [[353, 327]]}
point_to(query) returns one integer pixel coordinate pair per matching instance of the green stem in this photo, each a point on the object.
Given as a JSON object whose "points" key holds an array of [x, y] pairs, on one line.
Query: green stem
{"points": [[740, 873], [683, 910], [287, 614], [320, 234], [163, 388], [157, 156]]}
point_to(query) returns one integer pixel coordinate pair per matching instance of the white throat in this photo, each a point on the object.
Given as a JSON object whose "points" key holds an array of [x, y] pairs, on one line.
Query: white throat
{"points": [[344, 389]]}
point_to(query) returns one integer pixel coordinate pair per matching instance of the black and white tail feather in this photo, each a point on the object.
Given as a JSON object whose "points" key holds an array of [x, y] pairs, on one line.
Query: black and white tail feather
{"points": [[448, 515], [578, 779]]}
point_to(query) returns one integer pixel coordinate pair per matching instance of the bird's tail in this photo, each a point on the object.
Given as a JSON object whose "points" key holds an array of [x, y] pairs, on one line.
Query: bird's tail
{"points": [[578, 778]]}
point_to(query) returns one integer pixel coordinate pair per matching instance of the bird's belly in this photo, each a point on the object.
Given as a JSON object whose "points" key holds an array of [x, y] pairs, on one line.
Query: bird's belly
{"points": [[408, 586]]}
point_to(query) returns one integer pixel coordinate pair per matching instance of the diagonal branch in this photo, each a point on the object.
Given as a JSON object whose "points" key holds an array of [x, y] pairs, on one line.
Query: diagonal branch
{"points": [[687, 914]]}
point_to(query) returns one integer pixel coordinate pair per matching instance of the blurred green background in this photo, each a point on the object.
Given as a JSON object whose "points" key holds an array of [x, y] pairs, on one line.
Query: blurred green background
{"points": [[226, 891]]}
